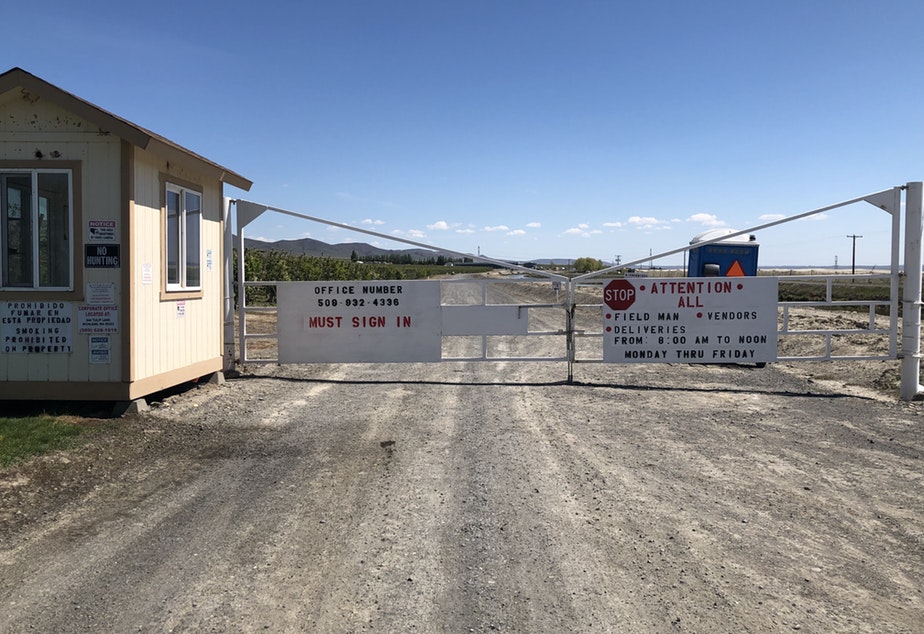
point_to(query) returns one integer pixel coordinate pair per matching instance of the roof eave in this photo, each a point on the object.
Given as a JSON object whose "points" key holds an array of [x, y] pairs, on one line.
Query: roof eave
{"points": [[116, 125]]}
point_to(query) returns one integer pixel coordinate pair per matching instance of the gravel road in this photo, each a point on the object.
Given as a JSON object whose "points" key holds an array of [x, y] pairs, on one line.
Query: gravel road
{"points": [[471, 497]]}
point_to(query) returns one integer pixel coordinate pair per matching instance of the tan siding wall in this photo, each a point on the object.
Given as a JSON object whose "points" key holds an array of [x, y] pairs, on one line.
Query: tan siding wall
{"points": [[165, 348], [163, 340], [25, 128]]}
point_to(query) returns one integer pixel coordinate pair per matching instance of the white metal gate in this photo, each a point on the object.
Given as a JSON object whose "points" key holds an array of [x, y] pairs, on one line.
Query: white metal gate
{"points": [[503, 318], [469, 319]]}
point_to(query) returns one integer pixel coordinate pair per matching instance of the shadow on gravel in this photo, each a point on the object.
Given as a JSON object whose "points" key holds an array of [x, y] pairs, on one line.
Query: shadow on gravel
{"points": [[612, 386], [732, 390], [291, 379], [84, 409]]}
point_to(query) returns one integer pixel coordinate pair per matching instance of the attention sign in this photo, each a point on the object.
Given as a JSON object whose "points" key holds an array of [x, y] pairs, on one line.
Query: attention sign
{"points": [[690, 320]]}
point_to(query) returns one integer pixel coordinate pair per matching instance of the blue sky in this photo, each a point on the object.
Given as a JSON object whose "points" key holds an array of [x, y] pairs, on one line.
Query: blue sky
{"points": [[521, 129]]}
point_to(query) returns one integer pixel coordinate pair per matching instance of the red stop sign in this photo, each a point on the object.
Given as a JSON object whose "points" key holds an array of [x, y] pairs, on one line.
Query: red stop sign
{"points": [[619, 294]]}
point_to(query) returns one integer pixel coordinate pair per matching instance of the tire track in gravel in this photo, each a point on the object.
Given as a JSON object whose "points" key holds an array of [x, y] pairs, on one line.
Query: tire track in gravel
{"points": [[195, 531], [719, 546], [501, 549], [391, 563]]}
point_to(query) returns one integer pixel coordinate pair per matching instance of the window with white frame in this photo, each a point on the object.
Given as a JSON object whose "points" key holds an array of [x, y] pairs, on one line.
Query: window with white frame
{"points": [[184, 228], [37, 225]]}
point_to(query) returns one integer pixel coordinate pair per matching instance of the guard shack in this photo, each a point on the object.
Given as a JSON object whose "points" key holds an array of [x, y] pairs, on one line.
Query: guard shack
{"points": [[111, 274], [730, 257]]}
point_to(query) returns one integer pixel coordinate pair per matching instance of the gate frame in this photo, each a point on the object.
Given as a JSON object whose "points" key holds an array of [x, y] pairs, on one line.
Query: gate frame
{"points": [[248, 211], [889, 200]]}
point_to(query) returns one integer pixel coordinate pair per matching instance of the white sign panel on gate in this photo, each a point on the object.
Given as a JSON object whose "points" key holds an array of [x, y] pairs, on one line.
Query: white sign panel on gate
{"points": [[359, 322], [485, 320], [690, 320]]}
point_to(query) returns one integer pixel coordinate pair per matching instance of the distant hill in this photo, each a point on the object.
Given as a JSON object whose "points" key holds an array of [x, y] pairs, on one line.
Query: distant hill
{"points": [[316, 248], [364, 251]]}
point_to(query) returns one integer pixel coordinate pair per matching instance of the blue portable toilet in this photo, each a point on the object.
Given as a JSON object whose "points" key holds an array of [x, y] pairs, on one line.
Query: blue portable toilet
{"points": [[731, 257]]}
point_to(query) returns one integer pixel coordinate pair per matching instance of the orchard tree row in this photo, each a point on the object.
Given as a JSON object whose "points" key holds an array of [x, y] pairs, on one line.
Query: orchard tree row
{"points": [[280, 266], [403, 258]]}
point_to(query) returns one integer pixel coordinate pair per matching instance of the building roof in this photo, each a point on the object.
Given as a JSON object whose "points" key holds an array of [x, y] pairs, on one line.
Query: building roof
{"points": [[114, 124]]}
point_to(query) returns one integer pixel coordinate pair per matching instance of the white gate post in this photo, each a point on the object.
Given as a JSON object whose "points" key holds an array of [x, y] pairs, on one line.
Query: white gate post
{"points": [[247, 212], [241, 288], [570, 341], [227, 271], [911, 297]]}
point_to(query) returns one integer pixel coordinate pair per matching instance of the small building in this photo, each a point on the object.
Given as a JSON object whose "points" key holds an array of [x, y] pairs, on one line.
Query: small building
{"points": [[723, 257], [112, 285]]}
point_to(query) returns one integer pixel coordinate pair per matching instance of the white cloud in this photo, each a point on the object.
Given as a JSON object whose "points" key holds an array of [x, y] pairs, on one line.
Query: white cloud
{"points": [[410, 233], [465, 231], [646, 222], [771, 217], [583, 230], [707, 220], [815, 218], [442, 225], [370, 221], [534, 225], [516, 232], [497, 228], [613, 225]]}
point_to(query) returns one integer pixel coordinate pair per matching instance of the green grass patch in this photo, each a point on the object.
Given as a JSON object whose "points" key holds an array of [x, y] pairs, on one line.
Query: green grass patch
{"points": [[22, 438]]}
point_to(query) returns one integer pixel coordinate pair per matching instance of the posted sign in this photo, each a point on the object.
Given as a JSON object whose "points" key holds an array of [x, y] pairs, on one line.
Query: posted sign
{"points": [[38, 326], [690, 320], [359, 321]]}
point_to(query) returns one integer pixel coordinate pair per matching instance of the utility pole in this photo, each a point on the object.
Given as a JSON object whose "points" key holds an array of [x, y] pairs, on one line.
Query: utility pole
{"points": [[853, 259]]}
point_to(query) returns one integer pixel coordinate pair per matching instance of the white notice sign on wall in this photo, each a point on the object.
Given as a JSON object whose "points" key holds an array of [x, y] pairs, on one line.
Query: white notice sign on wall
{"points": [[101, 231], [100, 349], [43, 327], [100, 293], [97, 319], [359, 322]]}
